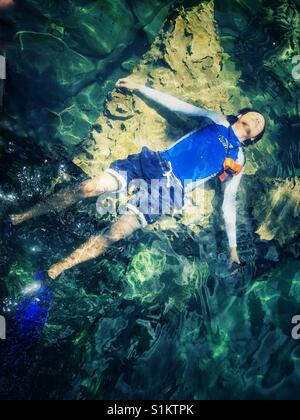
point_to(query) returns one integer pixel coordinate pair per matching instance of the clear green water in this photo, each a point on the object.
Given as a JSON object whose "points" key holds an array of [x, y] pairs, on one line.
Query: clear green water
{"points": [[158, 317]]}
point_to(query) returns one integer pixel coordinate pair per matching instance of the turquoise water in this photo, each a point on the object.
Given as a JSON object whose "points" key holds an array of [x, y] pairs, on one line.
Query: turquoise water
{"points": [[158, 316]]}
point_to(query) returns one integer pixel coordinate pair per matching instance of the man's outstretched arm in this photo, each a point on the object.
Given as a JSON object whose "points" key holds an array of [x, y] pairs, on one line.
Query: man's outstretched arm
{"points": [[172, 103], [230, 214], [181, 107]]}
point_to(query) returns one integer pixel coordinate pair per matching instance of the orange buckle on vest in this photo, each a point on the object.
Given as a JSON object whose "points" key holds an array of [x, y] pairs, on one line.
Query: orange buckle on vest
{"points": [[230, 165], [223, 176]]}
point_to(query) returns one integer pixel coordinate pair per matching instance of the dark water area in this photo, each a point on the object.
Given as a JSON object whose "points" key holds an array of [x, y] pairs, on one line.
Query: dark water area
{"points": [[158, 316]]}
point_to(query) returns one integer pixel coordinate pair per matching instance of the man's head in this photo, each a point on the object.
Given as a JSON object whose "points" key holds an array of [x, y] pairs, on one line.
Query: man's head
{"points": [[250, 126], [5, 4]]}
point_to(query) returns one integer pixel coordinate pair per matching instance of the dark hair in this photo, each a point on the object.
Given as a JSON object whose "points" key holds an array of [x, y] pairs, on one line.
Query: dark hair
{"points": [[232, 119]]}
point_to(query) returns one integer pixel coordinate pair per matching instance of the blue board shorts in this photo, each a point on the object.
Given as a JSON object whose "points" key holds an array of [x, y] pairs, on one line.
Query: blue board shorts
{"points": [[157, 191]]}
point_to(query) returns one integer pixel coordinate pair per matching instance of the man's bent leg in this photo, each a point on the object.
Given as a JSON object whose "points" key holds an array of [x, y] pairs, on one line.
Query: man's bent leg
{"points": [[97, 245], [69, 196]]}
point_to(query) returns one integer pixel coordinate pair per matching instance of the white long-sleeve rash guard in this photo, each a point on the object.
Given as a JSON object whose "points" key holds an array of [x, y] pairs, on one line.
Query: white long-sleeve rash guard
{"points": [[230, 194]]}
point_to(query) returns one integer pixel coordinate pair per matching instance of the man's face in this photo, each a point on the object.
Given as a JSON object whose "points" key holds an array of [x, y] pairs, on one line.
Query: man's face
{"points": [[5, 4], [252, 124]]}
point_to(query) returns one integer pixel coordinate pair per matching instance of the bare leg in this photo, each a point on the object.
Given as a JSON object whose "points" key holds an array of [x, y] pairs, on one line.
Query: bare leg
{"points": [[97, 245], [69, 196]]}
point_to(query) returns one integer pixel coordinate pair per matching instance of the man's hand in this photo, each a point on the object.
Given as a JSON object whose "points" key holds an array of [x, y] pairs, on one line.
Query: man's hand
{"points": [[234, 258], [4, 4], [55, 271], [127, 84]]}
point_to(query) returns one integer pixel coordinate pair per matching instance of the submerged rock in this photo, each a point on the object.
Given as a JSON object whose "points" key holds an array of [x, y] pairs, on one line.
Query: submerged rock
{"points": [[64, 60], [277, 210], [185, 60]]}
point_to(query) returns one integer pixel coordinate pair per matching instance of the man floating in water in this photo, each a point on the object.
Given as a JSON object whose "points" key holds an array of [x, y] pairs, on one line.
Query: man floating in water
{"points": [[213, 151]]}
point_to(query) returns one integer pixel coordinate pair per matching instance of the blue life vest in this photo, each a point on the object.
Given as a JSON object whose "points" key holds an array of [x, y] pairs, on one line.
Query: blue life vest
{"points": [[201, 154]]}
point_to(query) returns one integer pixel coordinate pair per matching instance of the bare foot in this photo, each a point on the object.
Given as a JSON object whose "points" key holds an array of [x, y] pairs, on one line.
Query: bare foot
{"points": [[16, 219], [55, 271]]}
